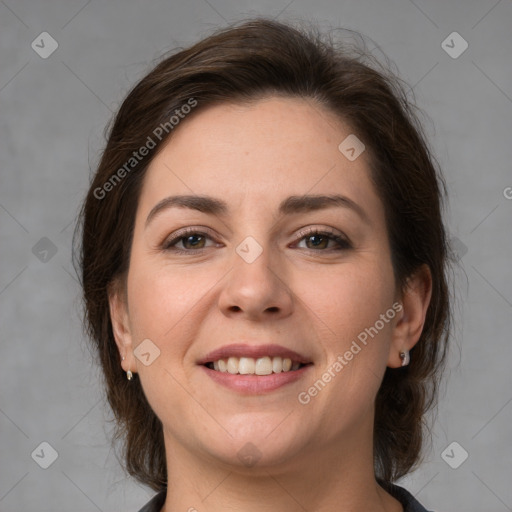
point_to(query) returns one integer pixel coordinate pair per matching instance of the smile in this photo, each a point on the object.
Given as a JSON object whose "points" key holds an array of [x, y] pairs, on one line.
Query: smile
{"points": [[254, 369], [254, 366]]}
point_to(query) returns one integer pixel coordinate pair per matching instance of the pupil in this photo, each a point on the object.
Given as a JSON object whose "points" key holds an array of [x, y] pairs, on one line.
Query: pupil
{"points": [[189, 240], [318, 239]]}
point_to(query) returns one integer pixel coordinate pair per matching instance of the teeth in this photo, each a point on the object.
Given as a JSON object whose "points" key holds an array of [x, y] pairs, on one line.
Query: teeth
{"points": [[233, 365], [250, 366], [263, 366], [246, 365], [277, 364]]}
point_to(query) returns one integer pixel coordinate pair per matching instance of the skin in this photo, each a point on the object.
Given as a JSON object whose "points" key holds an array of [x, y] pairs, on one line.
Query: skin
{"points": [[308, 297]]}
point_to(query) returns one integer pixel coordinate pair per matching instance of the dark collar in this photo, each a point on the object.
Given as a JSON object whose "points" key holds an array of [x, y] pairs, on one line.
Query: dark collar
{"points": [[408, 501]]}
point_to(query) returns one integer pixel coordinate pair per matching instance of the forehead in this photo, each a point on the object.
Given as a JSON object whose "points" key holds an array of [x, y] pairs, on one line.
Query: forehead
{"points": [[262, 151]]}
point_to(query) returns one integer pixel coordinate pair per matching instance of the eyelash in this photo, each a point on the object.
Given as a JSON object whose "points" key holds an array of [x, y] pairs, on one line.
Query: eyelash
{"points": [[169, 244], [343, 243]]}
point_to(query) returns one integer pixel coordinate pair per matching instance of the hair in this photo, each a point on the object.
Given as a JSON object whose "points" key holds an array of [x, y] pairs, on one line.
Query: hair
{"points": [[255, 59]]}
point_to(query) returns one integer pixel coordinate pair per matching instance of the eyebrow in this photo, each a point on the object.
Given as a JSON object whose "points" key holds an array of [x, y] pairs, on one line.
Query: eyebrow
{"points": [[290, 205]]}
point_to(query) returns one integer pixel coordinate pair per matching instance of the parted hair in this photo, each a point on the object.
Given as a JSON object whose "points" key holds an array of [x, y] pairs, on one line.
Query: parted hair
{"points": [[248, 60]]}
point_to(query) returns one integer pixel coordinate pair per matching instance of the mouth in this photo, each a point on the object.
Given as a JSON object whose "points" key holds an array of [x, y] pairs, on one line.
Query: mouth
{"points": [[251, 366], [254, 369]]}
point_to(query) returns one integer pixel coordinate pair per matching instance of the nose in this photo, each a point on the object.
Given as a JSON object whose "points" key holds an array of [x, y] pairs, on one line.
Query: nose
{"points": [[257, 290]]}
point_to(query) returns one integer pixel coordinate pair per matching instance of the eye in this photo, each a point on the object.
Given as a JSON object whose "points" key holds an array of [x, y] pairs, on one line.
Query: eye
{"points": [[319, 240], [191, 239]]}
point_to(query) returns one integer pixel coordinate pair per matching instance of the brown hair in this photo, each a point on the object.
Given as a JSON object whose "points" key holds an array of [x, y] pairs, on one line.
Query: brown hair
{"points": [[254, 59]]}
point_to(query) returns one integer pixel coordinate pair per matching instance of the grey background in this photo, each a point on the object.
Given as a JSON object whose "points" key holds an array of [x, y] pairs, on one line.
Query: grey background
{"points": [[53, 112]]}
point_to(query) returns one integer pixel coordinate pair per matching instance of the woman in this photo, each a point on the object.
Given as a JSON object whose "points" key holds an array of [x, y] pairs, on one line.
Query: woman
{"points": [[263, 261]]}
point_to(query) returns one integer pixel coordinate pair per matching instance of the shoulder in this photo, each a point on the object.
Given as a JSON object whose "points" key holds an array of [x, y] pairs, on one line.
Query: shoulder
{"points": [[408, 501], [155, 504]]}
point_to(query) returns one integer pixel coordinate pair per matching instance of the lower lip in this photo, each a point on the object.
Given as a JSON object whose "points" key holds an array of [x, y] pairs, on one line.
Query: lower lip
{"points": [[254, 384]]}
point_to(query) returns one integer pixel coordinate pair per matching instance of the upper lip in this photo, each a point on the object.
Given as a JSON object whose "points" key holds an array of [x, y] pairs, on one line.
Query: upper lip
{"points": [[254, 351]]}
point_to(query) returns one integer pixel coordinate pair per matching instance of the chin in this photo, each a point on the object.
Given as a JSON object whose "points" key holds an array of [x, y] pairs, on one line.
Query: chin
{"points": [[251, 447]]}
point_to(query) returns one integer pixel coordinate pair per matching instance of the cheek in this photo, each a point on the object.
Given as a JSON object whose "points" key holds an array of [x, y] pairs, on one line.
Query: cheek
{"points": [[346, 300], [345, 308], [165, 303]]}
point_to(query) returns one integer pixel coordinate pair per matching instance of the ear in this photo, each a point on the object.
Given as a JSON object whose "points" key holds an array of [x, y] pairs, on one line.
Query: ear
{"points": [[121, 325], [415, 299]]}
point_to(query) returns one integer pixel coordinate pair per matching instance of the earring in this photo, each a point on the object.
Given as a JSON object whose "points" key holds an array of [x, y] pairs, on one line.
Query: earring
{"points": [[405, 357], [129, 374]]}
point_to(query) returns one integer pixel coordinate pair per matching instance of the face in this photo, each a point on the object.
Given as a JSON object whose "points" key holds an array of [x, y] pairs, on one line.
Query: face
{"points": [[266, 271]]}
